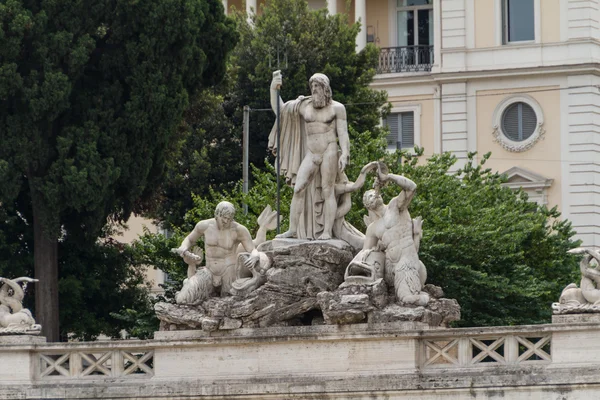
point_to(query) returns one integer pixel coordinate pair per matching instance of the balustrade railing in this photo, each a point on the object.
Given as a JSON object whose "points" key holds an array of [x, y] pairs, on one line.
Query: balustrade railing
{"points": [[94, 363], [405, 59], [486, 350]]}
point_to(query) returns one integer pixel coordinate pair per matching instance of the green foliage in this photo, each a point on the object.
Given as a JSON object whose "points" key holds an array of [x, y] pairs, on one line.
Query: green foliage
{"points": [[208, 155], [96, 281], [89, 108], [91, 94]]}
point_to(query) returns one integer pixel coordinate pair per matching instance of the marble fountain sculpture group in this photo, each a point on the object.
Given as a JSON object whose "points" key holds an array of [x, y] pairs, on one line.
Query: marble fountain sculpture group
{"points": [[322, 270]]}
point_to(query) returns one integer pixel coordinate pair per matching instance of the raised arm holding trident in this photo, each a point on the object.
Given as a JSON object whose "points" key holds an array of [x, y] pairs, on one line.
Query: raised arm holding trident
{"points": [[311, 128]]}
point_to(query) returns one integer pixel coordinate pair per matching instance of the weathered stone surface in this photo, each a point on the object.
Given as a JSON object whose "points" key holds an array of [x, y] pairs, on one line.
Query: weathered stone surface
{"points": [[180, 314], [587, 318], [230, 323], [14, 319], [300, 270], [586, 298], [210, 324], [355, 303]]}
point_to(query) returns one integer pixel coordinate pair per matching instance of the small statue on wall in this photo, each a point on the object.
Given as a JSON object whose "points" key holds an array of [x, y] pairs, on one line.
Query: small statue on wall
{"points": [[14, 319], [586, 297]]}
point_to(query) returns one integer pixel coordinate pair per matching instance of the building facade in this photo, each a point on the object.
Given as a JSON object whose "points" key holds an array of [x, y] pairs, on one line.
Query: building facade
{"points": [[518, 78]]}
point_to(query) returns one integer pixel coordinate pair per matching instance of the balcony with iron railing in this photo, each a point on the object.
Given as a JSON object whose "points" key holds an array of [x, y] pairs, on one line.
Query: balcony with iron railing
{"points": [[405, 59]]}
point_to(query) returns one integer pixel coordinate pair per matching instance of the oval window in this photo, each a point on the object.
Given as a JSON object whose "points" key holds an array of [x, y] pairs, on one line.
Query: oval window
{"points": [[519, 121]]}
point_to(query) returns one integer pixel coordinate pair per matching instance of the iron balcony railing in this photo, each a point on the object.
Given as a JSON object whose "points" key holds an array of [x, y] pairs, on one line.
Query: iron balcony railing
{"points": [[405, 59]]}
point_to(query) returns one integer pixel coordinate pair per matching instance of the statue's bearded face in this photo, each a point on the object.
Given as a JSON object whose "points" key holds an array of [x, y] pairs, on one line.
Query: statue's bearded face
{"points": [[320, 90], [318, 95]]}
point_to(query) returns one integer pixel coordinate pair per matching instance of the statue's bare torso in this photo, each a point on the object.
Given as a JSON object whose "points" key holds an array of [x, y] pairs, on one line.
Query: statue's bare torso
{"points": [[320, 128], [221, 246], [395, 234]]}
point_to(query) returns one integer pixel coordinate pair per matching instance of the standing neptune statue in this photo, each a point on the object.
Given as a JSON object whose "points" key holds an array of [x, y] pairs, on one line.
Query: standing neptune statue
{"points": [[311, 128]]}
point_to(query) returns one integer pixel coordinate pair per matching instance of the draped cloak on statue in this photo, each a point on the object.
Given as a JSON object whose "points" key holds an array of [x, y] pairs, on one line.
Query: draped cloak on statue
{"points": [[292, 152]]}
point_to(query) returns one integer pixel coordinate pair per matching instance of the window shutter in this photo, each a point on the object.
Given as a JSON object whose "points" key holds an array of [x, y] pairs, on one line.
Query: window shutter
{"points": [[392, 123], [529, 121], [510, 122], [408, 130]]}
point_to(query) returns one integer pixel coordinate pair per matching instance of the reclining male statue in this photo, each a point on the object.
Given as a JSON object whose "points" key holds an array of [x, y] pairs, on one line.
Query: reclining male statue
{"points": [[224, 240]]}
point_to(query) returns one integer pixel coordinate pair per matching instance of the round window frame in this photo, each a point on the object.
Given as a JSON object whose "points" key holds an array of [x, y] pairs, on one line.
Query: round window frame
{"points": [[499, 135]]}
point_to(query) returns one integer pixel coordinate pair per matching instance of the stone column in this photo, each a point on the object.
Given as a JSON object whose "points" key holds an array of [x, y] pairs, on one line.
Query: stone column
{"points": [[332, 7], [225, 7], [250, 9], [454, 122], [360, 13], [581, 172]]}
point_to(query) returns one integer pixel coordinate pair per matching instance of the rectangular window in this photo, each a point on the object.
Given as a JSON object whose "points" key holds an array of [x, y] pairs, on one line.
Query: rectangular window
{"points": [[518, 21], [402, 130], [414, 21]]}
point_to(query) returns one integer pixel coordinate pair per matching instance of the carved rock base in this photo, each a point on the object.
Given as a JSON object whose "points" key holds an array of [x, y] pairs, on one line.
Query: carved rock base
{"points": [[303, 288], [360, 303]]}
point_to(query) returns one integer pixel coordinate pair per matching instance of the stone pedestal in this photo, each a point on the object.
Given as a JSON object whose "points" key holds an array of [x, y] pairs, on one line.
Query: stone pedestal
{"points": [[16, 362], [576, 318]]}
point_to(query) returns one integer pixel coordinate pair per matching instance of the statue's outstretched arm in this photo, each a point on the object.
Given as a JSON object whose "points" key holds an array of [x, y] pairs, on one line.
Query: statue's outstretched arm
{"points": [[194, 235], [402, 181], [408, 188], [360, 181]]}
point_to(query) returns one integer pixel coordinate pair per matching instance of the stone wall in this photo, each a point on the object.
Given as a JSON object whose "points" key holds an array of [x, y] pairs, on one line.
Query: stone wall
{"points": [[381, 361]]}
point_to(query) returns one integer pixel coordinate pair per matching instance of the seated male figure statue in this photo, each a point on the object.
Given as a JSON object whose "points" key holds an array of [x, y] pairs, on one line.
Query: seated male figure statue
{"points": [[222, 236], [310, 130]]}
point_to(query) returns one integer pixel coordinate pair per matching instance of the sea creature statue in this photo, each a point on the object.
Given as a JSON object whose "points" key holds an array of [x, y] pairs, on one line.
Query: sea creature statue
{"points": [[228, 268], [586, 297], [392, 243], [13, 317]]}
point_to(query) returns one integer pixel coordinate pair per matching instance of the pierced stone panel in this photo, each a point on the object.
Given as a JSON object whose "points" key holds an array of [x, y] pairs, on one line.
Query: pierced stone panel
{"points": [[96, 364], [441, 352], [487, 351], [55, 365], [534, 349], [138, 363]]}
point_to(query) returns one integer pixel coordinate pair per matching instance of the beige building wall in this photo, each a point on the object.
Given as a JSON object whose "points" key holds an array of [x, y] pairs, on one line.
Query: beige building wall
{"points": [[136, 225], [485, 23], [545, 156], [550, 18], [427, 119], [378, 18]]}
